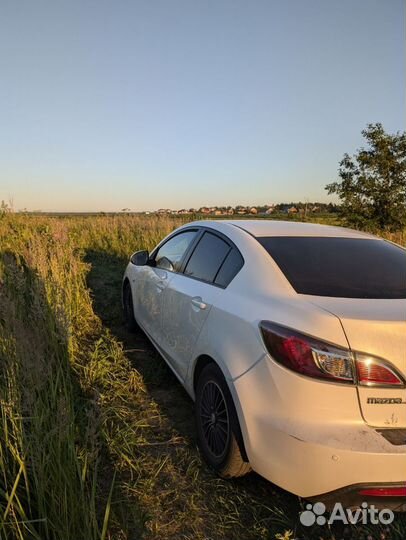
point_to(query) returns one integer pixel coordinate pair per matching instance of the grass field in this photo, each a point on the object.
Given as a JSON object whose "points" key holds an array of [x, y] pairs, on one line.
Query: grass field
{"points": [[96, 436]]}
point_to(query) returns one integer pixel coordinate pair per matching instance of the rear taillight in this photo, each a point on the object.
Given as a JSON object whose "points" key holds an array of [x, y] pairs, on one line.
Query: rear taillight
{"points": [[322, 360], [384, 492], [307, 355], [374, 371]]}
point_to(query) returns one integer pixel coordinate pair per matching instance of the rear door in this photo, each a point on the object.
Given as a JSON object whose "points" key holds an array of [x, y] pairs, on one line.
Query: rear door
{"points": [[190, 296]]}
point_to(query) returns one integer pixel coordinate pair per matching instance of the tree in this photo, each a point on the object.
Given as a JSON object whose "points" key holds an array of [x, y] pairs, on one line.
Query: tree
{"points": [[372, 188]]}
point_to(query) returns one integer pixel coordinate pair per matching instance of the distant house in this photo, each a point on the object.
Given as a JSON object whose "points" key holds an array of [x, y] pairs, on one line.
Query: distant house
{"points": [[292, 210], [253, 210], [230, 211], [204, 210], [217, 212], [269, 210]]}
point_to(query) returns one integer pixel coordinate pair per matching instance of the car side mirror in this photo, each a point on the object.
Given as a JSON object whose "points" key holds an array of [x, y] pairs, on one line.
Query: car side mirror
{"points": [[165, 264], [140, 258]]}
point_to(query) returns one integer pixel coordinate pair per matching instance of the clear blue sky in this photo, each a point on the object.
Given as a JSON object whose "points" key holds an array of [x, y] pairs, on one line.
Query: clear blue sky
{"points": [[179, 103]]}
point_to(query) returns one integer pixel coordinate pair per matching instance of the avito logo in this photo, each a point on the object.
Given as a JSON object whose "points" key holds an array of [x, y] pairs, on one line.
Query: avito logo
{"points": [[314, 514]]}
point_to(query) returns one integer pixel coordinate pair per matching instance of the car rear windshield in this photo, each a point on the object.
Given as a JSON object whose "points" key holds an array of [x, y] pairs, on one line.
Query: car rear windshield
{"points": [[340, 267]]}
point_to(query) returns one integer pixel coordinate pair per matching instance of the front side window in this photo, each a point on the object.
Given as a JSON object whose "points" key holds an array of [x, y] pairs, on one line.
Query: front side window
{"points": [[207, 258], [170, 255], [340, 267]]}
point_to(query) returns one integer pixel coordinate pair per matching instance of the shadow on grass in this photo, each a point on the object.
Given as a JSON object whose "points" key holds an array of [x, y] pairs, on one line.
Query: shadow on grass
{"points": [[45, 417]]}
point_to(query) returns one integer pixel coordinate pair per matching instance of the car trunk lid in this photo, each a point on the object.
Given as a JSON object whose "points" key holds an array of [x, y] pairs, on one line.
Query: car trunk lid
{"points": [[376, 327]]}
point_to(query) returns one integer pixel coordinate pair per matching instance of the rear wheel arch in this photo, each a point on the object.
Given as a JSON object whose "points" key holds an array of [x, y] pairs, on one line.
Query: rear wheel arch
{"points": [[200, 363]]}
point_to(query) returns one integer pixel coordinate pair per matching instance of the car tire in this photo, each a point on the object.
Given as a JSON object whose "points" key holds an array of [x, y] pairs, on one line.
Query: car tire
{"points": [[128, 309], [218, 430]]}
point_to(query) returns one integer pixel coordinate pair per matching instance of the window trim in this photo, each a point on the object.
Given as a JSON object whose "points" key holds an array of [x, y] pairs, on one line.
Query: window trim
{"points": [[190, 250]]}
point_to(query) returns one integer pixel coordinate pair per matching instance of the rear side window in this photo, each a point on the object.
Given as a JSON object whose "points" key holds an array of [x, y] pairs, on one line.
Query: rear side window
{"points": [[340, 267], [229, 269], [207, 257]]}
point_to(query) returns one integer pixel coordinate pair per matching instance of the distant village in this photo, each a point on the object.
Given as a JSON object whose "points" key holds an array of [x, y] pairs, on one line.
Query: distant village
{"points": [[293, 208], [279, 210]]}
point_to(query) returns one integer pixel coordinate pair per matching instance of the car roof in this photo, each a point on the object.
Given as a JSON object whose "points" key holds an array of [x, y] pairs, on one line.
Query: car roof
{"points": [[268, 227]]}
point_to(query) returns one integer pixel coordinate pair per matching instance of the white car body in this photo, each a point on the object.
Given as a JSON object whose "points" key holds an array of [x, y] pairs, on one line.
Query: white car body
{"points": [[311, 437]]}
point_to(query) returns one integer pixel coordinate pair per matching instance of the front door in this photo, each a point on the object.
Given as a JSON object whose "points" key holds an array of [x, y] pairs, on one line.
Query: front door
{"points": [[153, 279]]}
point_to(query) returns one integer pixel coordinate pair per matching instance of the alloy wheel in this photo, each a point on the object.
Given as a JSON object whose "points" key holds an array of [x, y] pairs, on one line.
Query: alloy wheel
{"points": [[214, 419]]}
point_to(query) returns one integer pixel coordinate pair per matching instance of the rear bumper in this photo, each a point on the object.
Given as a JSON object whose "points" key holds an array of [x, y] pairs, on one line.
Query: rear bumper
{"points": [[309, 437], [313, 470], [353, 496]]}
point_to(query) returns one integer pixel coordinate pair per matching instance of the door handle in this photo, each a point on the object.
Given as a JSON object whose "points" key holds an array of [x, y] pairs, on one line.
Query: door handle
{"points": [[160, 286], [198, 303], [161, 283]]}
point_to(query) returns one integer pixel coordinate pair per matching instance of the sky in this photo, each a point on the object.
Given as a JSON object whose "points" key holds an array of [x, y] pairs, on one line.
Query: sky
{"points": [[146, 104]]}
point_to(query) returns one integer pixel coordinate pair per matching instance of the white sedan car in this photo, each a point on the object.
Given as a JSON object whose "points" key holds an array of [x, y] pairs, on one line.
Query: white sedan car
{"points": [[291, 339]]}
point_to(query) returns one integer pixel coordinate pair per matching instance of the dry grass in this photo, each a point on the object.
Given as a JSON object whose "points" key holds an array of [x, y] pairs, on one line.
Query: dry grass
{"points": [[96, 435]]}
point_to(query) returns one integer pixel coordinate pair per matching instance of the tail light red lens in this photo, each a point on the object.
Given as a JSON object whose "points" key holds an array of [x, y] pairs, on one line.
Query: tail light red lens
{"points": [[384, 492], [373, 371], [322, 360]]}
